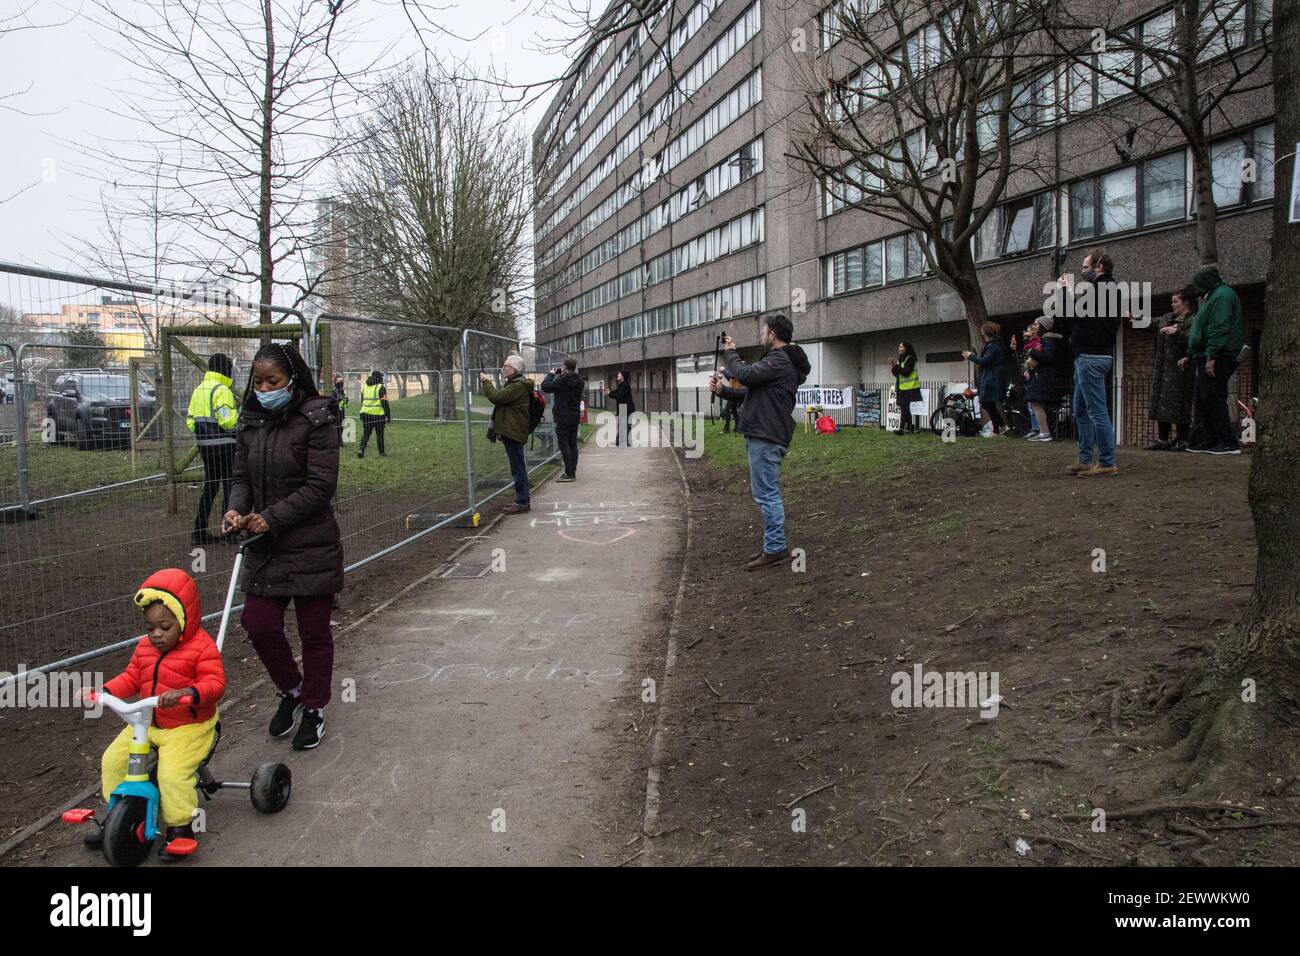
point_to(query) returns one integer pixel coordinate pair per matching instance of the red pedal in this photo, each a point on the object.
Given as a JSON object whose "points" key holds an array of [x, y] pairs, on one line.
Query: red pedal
{"points": [[78, 816], [182, 846]]}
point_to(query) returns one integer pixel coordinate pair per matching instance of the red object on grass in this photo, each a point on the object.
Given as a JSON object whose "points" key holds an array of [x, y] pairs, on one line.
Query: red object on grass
{"points": [[825, 425]]}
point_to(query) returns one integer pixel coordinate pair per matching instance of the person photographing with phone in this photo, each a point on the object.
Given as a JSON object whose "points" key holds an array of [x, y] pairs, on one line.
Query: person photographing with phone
{"points": [[567, 386], [767, 396]]}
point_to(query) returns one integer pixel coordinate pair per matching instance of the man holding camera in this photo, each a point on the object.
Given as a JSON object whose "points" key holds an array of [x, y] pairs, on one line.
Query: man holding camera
{"points": [[567, 386], [510, 423], [767, 396]]}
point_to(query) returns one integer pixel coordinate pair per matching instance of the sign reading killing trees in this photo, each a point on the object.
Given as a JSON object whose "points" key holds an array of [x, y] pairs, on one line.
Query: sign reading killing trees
{"points": [[825, 397], [867, 407]]}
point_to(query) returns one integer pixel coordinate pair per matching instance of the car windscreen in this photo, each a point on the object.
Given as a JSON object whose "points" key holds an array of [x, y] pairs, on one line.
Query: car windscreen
{"points": [[105, 387]]}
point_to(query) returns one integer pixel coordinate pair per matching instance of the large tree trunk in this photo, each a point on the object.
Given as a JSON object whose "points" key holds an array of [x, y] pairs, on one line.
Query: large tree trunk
{"points": [[1233, 738]]}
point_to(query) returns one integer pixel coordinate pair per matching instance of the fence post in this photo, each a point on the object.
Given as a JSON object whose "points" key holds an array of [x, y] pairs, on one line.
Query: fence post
{"points": [[469, 426], [165, 399], [320, 332], [20, 433]]}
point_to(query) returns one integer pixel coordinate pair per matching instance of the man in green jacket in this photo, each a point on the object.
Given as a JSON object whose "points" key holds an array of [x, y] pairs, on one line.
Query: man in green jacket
{"points": [[510, 423], [1213, 343]]}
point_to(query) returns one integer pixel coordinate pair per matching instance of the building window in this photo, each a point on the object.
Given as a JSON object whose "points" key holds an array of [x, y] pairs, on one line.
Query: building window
{"points": [[1242, 167], [1134, 197], [1027, 224]]}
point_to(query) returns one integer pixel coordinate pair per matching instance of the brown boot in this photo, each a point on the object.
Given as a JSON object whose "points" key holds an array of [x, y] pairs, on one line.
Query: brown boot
{"points": [[1096, 471], [515, 509], [766, 560], [1079, 466]]}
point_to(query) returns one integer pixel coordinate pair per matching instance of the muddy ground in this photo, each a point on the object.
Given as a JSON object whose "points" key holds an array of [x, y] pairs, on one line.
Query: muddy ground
{"points": [[781, 698]]}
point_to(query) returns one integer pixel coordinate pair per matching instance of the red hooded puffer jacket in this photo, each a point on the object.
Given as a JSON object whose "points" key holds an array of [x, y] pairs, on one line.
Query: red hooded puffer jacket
{"points": [[194, 662]]}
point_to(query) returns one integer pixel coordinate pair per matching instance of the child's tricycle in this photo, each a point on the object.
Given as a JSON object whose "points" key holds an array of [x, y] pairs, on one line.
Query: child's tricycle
{"points": [[131, 821]]}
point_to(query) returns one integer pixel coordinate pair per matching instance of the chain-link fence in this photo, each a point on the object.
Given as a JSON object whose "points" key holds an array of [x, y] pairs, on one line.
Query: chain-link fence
{"points": [[117, 435], [84, 477]]}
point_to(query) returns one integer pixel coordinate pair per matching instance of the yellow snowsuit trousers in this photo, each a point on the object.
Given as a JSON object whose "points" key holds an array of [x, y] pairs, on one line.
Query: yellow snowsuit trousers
{"points": [[180, 750]]}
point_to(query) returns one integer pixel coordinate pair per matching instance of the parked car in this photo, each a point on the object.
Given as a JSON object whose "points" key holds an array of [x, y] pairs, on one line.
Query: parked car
{"points": [[94, 408]]}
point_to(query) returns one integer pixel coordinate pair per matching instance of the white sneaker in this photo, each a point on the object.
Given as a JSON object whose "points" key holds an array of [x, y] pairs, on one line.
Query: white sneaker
{"points": [[987, 430], [1040, 437]]}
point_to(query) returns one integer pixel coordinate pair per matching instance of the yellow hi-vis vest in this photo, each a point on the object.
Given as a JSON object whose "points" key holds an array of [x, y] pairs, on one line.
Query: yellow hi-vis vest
{"points": [[370, 400], [909, 381], [212, 414]]}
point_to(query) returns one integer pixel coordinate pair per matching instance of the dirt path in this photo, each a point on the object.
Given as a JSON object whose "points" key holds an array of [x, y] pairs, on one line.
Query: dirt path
{"points": [[497, 719]]}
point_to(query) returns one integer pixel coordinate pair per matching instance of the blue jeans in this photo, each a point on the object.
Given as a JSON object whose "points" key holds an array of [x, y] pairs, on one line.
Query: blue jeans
{"points": [[1091, 414], [518, 468], [764, 481]]}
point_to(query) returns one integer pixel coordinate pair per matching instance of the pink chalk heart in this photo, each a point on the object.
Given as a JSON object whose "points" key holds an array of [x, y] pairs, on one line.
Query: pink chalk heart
{"points": [[596, 535]]}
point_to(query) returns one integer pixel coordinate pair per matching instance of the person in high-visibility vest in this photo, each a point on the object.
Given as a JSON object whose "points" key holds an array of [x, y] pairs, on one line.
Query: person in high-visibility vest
{"points": [[909, 385], [374, 413], [212, 416]]}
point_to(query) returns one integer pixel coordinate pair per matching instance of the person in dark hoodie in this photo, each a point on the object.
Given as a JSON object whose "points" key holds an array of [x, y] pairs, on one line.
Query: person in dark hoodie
{"points": [[286, 472], [1213, 344], [624, 404], [767, 393]]}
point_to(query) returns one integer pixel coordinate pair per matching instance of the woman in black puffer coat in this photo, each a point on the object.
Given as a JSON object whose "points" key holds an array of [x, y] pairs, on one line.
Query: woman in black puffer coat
{"points": [[286, 471]]}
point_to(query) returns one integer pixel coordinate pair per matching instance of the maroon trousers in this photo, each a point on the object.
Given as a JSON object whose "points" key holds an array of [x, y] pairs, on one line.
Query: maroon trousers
{"points": [[263, 619]]}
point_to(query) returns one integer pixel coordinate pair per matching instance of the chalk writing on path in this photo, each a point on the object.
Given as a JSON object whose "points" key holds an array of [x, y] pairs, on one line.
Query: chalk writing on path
{"points": [[396, 672], [583, 514], [596, 535]]}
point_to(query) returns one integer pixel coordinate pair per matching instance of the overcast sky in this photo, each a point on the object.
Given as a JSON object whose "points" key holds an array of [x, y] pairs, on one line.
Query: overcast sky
{"points": [[72, 75]]}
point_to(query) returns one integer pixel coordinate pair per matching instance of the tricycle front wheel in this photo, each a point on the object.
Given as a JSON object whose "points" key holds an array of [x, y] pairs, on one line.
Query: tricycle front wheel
{"points": [[124, 841]]}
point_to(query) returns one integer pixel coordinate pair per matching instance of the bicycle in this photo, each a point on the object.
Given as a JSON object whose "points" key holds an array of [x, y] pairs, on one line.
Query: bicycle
{"points": [[959, 408]]}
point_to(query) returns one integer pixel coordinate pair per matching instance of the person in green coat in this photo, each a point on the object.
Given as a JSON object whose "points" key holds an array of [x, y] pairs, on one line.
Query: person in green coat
{"points": [[510, 423], [1213, 343]]}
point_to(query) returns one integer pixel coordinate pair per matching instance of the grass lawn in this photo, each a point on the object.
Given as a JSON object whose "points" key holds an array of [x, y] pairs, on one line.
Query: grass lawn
{"points": [[869, 452], [433, 455]]}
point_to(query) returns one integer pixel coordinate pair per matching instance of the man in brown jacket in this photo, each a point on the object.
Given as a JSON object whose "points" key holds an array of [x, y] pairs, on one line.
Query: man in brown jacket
{"points": [[510, 423]]}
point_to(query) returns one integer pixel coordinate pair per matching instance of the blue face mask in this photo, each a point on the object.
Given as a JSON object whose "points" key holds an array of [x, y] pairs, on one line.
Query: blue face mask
{"points": [[274, 401]]}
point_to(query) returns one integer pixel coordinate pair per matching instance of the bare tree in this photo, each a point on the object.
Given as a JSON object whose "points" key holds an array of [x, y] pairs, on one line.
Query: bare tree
{"points": [[435, 197], [235, 112], [924, 131], [1186, 64]]}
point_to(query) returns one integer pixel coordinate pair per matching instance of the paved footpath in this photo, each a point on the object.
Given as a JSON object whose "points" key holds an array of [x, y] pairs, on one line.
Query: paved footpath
{"points": [[489, 711]]}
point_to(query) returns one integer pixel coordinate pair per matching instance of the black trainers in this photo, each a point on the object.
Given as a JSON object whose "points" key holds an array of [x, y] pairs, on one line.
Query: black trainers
{"points": [[311, 729], [285, 715], [94, 838], [1224, 450]]}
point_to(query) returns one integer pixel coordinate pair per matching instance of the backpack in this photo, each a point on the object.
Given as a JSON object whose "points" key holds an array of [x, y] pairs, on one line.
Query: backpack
{"points": [[536, 410]]}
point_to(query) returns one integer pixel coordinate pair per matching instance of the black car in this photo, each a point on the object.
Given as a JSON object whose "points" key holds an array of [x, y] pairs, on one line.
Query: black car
{"points": [[95, 408]]}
